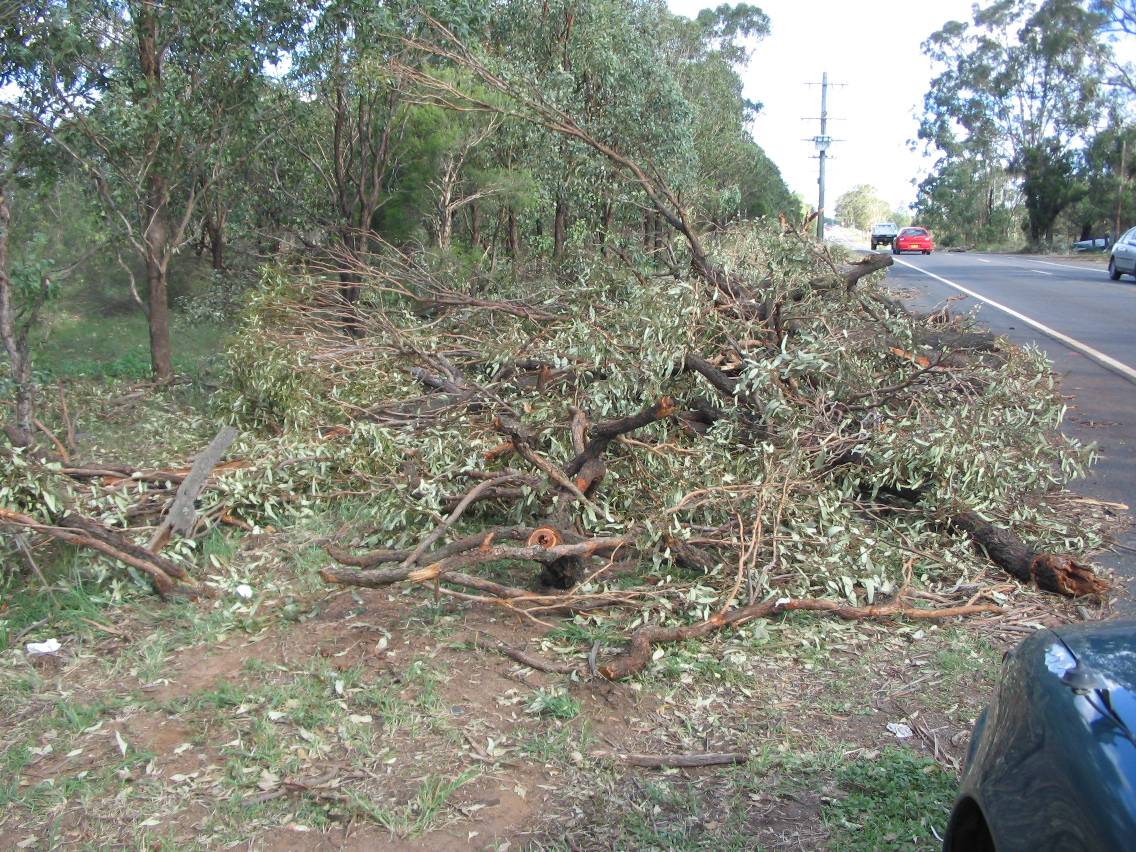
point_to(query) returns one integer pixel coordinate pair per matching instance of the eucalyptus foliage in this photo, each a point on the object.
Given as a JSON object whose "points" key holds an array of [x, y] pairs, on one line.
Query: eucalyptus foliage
{"points": [[984, 434]]}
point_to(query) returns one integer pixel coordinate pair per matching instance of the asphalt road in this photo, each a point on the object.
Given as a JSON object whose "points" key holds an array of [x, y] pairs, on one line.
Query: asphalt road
{"points": [[1085, 323]]}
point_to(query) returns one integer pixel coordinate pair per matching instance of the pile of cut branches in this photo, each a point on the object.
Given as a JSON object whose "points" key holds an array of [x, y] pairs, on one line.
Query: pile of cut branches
{"points": [[693, 450], [700, 450]]}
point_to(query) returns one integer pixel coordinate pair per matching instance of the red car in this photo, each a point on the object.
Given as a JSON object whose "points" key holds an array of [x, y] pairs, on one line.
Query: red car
{"points": [[913, 239]]}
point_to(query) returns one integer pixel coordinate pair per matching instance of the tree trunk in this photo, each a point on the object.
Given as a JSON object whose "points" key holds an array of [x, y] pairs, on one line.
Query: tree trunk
{"points": [[14, 343], [155, 233], [214, 227], [348, 281], [161, 361], [512, 236], [445, 226], [155, 242], [605, 225], [474, 226], [217, 244], [559, 227]]}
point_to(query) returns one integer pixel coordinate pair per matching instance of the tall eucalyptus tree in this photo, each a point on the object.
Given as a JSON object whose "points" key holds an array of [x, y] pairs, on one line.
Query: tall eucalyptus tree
{"points": [[1019, 83]]}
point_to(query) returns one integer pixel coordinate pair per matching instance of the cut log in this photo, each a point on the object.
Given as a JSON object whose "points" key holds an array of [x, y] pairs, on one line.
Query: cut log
{"points": [[1053, 573]]}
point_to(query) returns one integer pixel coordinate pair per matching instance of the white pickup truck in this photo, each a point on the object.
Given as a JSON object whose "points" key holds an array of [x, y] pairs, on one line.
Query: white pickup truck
{"points": [[883, 234]]}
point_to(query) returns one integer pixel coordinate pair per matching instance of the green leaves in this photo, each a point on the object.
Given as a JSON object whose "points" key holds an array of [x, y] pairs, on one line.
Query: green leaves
{"points": [[1016, 89]]}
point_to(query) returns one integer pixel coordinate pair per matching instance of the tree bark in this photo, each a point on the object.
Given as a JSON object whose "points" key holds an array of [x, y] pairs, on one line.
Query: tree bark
{"points": [[214, 226], [512, 236], [155, 242], [15, 344], [559, 227], [1051, 572], [156, 232], [605, 225]]}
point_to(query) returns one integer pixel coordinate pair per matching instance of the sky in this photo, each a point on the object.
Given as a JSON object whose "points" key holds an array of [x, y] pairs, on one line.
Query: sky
{"points": [[873, 49]]}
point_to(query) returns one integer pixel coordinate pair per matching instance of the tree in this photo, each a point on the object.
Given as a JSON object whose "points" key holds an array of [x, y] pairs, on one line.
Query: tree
{"points": [[1119, 24], [1018, 86], [144, 96], [27, 282], [901, 216], [1105, 169], [13, 332], [357, 104], [970, 200], [860, 207], [733, 176]]}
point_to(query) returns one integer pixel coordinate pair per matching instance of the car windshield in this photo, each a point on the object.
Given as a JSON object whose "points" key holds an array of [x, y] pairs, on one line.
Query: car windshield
{"points": [[913, 232]]}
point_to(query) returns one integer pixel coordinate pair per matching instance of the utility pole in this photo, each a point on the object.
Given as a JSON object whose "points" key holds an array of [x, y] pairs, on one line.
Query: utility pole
{"points": [[1120, 185], [822, 142]]}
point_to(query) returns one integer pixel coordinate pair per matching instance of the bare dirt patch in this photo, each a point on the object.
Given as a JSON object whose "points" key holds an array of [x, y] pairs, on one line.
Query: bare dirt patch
{"points": [[368, 719]]}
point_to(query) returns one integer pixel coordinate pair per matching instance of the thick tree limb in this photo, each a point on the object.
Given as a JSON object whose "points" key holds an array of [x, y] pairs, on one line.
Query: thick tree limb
{"points": [[853, 272], [181, 516], [122, 544], [464, 503], [83, 532], [602, 434], [382, 555], [1058, 573], [1053, 573], [545, 555], [717, 379]]}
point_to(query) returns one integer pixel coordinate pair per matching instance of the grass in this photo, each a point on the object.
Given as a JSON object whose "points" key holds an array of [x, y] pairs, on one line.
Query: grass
{"points": [[85, 345], [559, 743], [553, 703], [890, 803], [424, 809], [65, 608]]}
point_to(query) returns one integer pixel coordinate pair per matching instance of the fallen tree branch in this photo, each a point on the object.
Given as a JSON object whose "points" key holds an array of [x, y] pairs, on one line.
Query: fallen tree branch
{"points": [[377, 578], [523, 657], [604, 433], [673, 761], [182, 515], [83, 532], [717, 379], [1050, 572], [638, 652], [382, 555], [464, 503]]}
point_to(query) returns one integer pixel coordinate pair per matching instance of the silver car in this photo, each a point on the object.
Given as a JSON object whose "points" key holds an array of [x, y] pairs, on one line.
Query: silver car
{"points": [[1123, 257]]}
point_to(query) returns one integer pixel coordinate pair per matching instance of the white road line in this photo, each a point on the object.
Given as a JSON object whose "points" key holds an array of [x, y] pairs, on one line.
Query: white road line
{"points": [[1042, 272], [1096, 355], [1064, 265], [980, 260]]}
